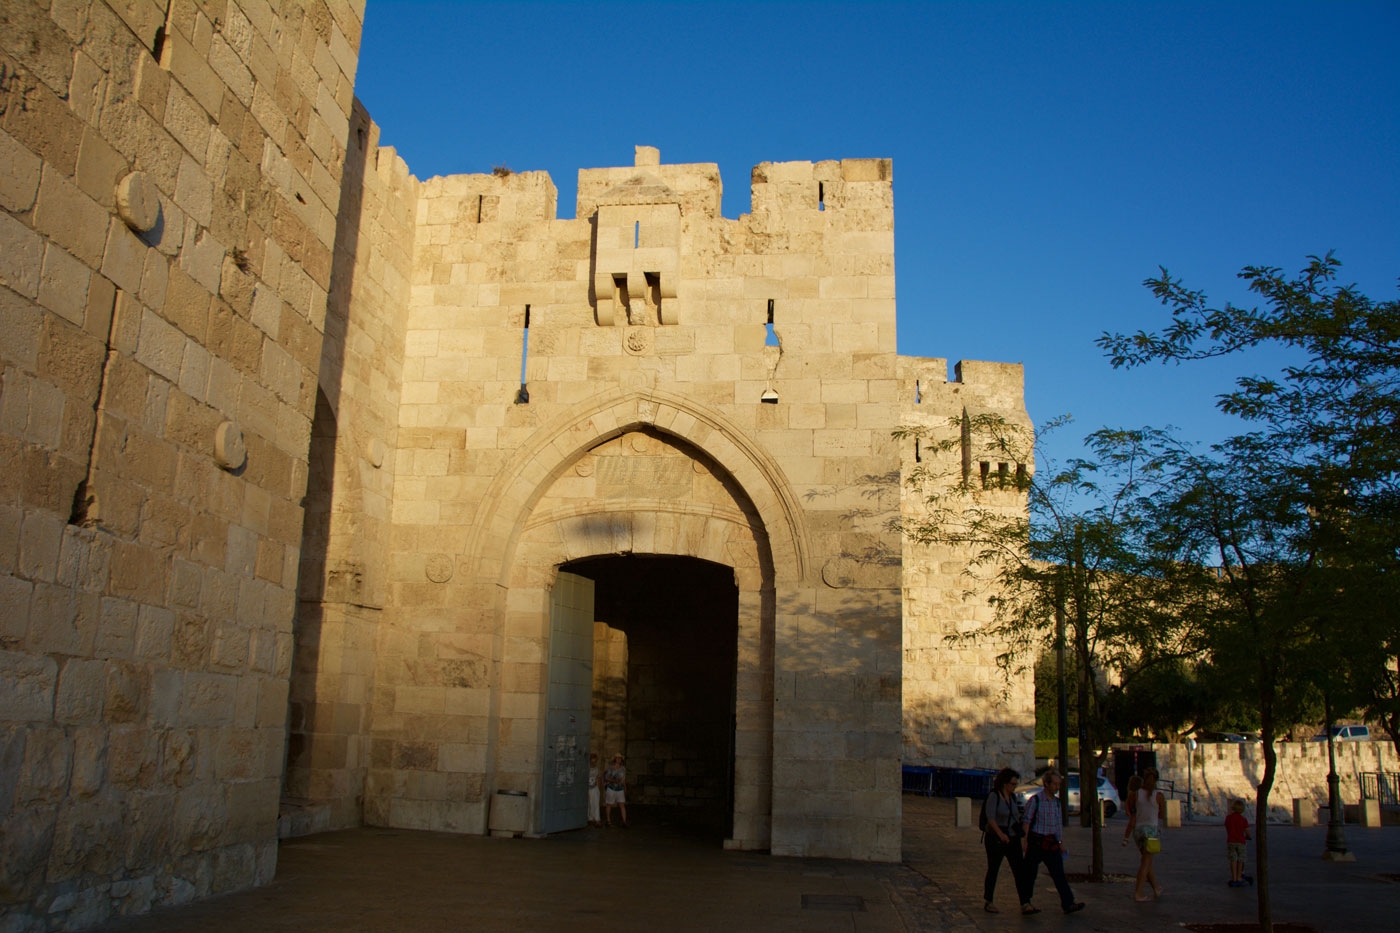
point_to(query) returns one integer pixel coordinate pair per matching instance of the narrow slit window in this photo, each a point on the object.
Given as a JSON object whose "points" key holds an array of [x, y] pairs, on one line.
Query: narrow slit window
{"points": [[918, 455], [636, 234], [479, 199], [770, 338], [1021, 475], [918, 393], [523, 396], [965, 442], [1003, 475], [821, 196], [986, 471]]}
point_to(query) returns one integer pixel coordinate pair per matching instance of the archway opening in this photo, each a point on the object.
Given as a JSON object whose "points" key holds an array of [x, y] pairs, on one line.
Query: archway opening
{"points": [[674, 722]]}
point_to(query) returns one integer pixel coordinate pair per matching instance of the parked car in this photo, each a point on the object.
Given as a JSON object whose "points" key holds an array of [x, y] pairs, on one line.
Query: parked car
{"points": [[1346, 734], [1107, 793]]}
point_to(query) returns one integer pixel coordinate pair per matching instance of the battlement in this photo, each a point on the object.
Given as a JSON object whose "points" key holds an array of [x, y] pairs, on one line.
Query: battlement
{"points": [[820, 186], [976, 385]]}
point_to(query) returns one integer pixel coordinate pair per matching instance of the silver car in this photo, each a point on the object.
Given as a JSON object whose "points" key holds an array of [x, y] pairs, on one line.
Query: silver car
{"points": [[1107, 793]]}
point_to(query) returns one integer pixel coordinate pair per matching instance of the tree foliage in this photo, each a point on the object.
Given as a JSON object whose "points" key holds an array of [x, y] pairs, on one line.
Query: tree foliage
{"points": [[1297, 516], [1064, 543]]}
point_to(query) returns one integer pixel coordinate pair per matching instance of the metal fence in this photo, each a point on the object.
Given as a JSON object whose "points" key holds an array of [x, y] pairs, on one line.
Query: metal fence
{"points": [[935, 781], [1381, 785]]}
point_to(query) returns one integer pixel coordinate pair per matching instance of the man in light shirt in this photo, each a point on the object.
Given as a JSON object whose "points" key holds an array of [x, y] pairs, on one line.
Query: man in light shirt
{"points": [[1044, 825]]}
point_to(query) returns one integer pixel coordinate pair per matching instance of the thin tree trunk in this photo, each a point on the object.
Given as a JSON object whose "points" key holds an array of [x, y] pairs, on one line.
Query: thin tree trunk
{"points": [[1088, 759], [1261, 806]]}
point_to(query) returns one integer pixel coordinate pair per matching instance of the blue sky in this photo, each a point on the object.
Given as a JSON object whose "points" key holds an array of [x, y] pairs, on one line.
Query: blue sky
{"points": [[1047, 157]]}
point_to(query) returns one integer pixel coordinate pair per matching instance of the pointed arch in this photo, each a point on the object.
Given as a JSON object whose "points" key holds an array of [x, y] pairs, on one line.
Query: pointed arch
{"points": [[506, 507]]}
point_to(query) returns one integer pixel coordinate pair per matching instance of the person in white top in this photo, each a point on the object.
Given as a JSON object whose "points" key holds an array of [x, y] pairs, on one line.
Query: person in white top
{"points": [[1147, 808]]}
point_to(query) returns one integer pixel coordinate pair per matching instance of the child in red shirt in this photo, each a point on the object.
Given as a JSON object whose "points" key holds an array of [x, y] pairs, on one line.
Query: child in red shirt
{"points": [[1236, 835]]}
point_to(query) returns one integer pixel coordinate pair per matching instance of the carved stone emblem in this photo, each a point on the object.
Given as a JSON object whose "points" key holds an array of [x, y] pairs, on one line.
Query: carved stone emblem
{"points": [[839, 573], [438, 568]]}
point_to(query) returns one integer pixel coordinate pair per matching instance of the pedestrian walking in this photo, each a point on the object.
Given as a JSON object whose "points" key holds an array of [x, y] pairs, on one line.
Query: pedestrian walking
{"points": [[1145, 817], [1001, 828], [1044, 825]]}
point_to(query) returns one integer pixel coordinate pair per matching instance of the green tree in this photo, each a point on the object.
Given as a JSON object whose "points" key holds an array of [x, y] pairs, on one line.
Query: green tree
{"points": [[1326, 429], [1076, 552], [1296, 517]]}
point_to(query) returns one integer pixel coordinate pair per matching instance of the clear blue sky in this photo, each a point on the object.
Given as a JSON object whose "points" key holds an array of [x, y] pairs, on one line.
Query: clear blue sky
{"points": [[1047, 157]]}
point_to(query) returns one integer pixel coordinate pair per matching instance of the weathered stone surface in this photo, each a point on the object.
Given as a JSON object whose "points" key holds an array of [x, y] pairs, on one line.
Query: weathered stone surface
{"points": [[218, 238], [26, 837]]}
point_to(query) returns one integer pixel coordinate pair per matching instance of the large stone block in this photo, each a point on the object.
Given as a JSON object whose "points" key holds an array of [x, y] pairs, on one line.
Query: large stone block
{"points": [[27, 687]]}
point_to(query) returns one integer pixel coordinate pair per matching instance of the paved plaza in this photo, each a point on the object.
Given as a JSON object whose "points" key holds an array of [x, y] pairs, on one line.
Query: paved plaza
{"points": [[656, 876]]}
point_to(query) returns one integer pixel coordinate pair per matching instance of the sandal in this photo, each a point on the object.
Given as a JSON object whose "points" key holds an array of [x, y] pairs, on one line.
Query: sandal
{"points": [[990, 908]]}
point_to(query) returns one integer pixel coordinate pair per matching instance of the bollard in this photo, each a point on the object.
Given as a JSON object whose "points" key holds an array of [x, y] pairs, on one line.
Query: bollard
{"points": [[1173, 814], [964, 811], [1304, 812], [1370, 813]]}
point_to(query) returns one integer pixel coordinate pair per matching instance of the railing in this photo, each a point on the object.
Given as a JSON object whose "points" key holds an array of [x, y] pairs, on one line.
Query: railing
{"points": [[1169, 788], [935, 781], [1381, 785]]}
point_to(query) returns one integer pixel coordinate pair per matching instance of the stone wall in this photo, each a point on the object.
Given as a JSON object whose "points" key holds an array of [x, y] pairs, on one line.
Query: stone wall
{"points": [[295, 444], [960, 708], [170, 175], [1221, 771], [648, 313], [345, 540]]}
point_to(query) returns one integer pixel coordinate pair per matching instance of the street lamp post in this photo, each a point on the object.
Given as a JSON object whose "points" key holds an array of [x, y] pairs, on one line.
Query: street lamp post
{"points": [[1190, 762], [1336, 850]]}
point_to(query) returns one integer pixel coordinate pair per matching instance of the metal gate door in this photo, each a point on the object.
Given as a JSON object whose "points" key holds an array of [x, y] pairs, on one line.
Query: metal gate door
{"points": [[570, 702]]}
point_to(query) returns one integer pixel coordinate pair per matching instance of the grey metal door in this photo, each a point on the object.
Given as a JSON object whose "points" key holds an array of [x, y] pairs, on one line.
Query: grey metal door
{"points": [[570, 702]]}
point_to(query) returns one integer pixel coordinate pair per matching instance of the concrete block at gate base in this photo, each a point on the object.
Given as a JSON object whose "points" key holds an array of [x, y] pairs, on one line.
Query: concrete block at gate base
{"points": [[510, 813], [964, 812], [1173, 814], [1370, 812], [1304, 812]]}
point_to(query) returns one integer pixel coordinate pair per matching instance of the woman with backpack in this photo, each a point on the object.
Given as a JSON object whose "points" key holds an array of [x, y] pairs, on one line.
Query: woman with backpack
{"points": [[1000, 821]]}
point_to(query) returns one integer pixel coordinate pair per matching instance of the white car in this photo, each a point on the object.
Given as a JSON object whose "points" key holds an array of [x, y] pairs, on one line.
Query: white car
{"points": [[1346, 734], [1107, 793]]}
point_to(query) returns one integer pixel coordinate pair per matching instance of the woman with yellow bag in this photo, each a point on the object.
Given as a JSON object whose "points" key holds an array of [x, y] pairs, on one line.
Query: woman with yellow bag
{"points": [[1147, 811]]}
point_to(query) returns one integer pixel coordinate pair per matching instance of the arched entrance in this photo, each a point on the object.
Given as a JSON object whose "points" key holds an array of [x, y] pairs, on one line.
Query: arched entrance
{"points": [[665, 650], [656, 522]]}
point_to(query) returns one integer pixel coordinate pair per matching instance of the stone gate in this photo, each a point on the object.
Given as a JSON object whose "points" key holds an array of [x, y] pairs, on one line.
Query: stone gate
{"points": [[297, 447]]}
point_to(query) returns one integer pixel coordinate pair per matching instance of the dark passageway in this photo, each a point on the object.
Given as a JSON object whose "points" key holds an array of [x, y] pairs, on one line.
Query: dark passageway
{"points": [[680, 617]]}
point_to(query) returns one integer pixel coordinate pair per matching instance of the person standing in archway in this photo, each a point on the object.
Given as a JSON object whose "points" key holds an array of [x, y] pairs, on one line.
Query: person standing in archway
{"points": [[593, 790], [615, 790]]}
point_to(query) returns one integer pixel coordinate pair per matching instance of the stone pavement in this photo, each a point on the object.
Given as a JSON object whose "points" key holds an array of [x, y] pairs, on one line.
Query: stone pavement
{"points": [[656, 877], [1192, 870]]}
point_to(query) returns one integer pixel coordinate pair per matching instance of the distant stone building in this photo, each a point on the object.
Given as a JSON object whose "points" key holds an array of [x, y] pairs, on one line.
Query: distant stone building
{"points": [[338, 495]]}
